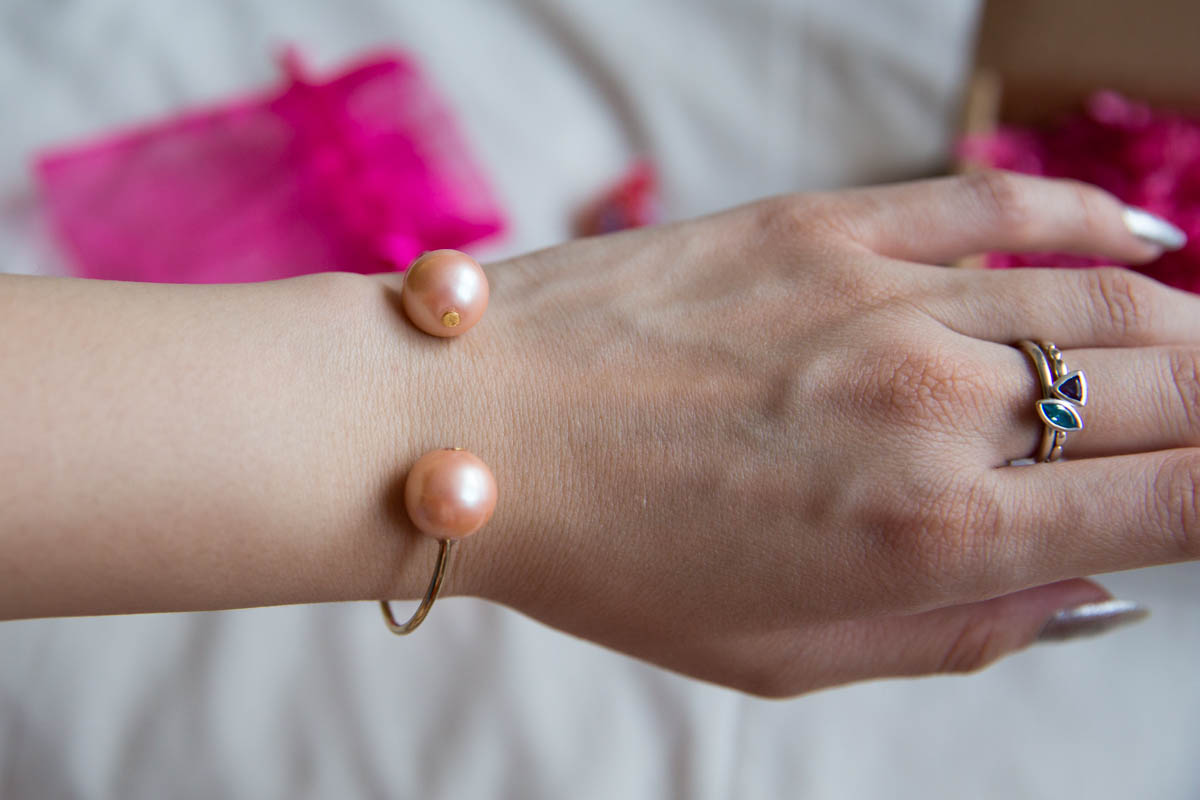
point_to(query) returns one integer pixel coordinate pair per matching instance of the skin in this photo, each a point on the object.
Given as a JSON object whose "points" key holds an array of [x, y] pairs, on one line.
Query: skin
{"points": [[765, 448]]}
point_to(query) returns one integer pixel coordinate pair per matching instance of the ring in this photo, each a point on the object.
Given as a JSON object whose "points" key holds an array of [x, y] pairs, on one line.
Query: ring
{"points": [[1064, 392]]}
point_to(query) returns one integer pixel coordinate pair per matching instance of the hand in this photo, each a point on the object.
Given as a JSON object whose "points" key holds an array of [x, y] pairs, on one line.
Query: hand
{"points": [[768, 448]]}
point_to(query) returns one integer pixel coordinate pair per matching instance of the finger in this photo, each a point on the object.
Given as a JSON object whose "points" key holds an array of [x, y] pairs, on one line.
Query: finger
{"points": [[1090, 516], [962, 638], [1139, 399], [1107, 306], [941, 220], [966, 638]]}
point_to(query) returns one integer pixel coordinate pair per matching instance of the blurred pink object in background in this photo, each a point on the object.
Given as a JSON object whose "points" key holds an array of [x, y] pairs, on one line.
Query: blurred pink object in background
{"points": [[359, 173], [631, 202], [1146, 157]]}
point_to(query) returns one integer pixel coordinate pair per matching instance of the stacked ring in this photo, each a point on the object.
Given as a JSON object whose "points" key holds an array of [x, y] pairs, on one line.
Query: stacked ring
{"points": [[1064, 392], [450, 493]]}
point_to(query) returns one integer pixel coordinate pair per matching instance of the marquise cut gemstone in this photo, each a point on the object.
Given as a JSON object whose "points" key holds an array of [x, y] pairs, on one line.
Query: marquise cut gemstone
{"points": [[1059, 415]]}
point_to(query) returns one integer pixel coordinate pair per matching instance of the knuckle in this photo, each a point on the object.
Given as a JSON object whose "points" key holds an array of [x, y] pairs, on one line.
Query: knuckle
{"points": [[818, 224], [1126, 297], [1089, 205], [976, 645], [1005, 199], [1176, 495], [963, 522], [1184, 368], [789, 215], [944, 537], [924, 387]]}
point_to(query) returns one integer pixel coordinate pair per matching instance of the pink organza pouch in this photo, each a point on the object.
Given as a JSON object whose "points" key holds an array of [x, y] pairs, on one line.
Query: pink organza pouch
{"points": [[359, 173], [1147, 157]]}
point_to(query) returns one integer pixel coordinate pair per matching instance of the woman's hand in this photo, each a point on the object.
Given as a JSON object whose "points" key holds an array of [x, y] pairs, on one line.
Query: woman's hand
{"points": [[768, 448]]}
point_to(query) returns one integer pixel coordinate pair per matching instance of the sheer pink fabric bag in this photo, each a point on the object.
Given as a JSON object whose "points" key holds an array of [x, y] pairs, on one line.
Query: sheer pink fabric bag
{"points": [[358, 173]]}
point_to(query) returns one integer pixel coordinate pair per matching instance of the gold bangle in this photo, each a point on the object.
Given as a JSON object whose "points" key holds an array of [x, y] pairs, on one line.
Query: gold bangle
{"points": [[435, 585], [449, 493]]}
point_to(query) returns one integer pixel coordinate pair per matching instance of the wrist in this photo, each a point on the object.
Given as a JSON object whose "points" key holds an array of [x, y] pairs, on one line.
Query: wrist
{"points": [[421, 393]]}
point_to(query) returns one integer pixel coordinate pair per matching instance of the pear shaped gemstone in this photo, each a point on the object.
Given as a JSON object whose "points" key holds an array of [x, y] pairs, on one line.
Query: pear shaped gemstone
{"points": [[1060, 415], [1072, 386]]}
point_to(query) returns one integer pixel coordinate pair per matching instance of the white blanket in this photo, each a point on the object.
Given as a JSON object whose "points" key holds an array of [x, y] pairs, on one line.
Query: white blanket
{"points": [[732, 100]]}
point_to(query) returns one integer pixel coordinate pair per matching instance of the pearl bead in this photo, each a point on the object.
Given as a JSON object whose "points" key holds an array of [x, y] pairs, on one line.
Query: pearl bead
{"points": [[445, 292], [449, 493]]}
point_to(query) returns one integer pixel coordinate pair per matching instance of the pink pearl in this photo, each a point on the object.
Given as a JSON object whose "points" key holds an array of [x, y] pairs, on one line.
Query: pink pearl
{"points": [[445, 292], [449, 493]]}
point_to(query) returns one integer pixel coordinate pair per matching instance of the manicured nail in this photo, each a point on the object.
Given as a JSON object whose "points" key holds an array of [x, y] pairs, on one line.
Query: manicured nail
{"points": [[1090, 619], [1153, 229]]}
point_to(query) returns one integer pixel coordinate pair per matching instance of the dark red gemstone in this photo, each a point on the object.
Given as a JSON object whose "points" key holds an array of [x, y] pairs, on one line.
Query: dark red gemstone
{"points": [[1071, 389]]}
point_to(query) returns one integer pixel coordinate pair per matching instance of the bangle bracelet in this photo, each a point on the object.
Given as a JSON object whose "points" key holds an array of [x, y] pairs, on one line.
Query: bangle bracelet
{"points": [[449, 493]]}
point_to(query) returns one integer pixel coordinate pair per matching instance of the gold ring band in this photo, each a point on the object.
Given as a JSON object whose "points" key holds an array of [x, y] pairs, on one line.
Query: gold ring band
{"points": [[1057, 370], [1041, 366]]}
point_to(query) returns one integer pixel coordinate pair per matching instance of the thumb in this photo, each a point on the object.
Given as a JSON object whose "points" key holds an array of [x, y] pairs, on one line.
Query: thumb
{"points": [[963, 638], [969, 637]]}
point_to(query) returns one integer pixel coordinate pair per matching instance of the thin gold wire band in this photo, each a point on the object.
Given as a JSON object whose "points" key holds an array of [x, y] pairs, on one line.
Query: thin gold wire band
{"points": [[1057, 370], [1041, 365], [435, 586]]}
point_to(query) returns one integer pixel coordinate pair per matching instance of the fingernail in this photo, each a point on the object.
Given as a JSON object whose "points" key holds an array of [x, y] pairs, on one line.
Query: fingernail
{"points": [[1091, 619], [1153, 229]]}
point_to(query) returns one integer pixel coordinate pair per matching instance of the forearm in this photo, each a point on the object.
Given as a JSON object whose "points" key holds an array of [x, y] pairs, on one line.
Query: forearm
{"points": [[194, 447]]}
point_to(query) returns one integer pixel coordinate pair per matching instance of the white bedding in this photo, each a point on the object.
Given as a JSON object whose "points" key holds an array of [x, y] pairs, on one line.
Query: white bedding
{"points": [[732, 100]]}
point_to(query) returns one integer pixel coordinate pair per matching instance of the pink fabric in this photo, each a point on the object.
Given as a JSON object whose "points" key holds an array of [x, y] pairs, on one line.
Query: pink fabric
{"points": [[1147, 157], [631, 202], [360, 173]]}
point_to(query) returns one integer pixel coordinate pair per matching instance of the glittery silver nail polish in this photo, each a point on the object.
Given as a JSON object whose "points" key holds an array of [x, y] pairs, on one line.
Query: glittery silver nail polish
{"points": [[1091, 619], [1153, 229]]}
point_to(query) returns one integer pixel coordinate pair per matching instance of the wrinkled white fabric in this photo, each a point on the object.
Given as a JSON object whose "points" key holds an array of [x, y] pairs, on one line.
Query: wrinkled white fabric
{"points": [[732, 100]]}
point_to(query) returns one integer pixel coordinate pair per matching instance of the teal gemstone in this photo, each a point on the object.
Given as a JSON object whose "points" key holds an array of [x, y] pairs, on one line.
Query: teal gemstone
{"points": [[1060, 415]]}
